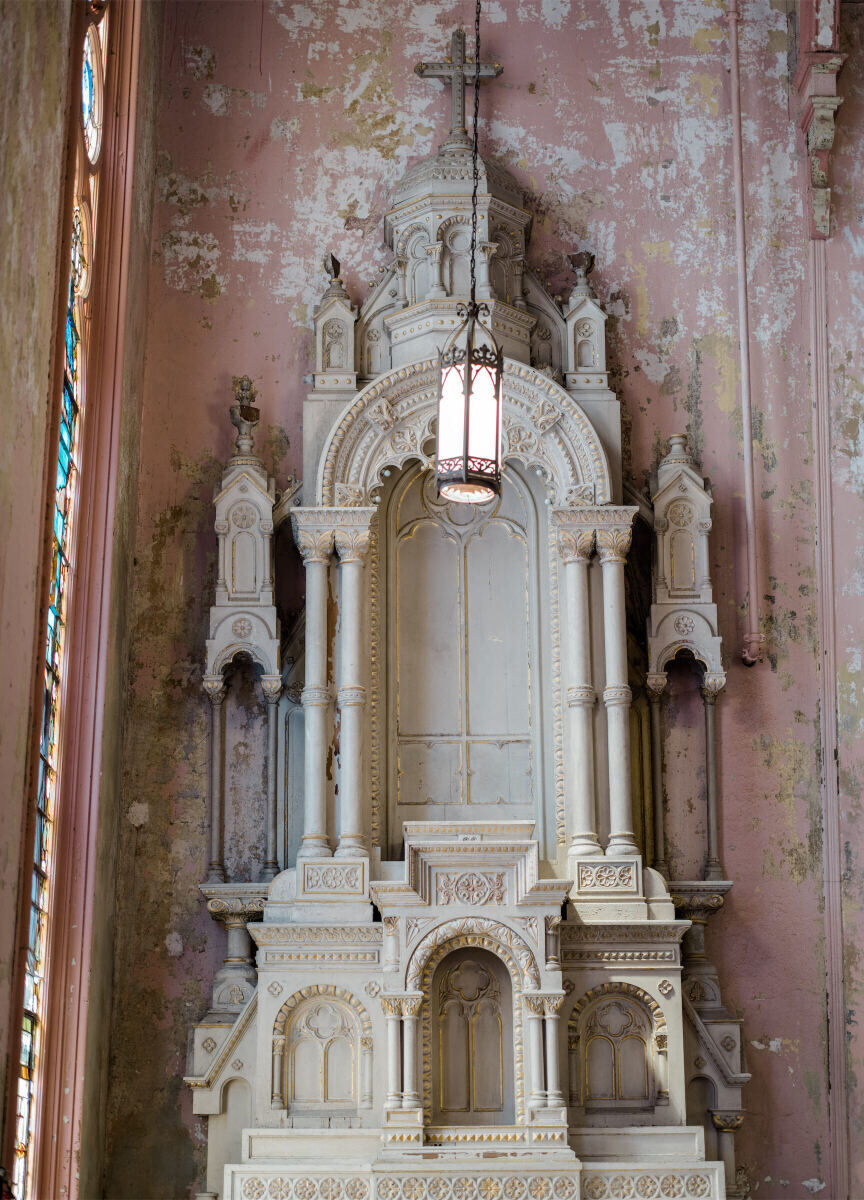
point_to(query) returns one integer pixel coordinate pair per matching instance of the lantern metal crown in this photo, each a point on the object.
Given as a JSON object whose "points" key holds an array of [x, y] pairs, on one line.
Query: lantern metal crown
{"points": [[471, 369]]}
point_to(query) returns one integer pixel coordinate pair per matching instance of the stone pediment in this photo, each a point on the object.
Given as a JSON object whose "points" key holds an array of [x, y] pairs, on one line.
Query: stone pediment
{"points": [[471, 864]]}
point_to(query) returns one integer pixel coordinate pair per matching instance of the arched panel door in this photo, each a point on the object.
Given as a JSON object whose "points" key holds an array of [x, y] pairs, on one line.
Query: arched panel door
{"points": [[471, 1015]]}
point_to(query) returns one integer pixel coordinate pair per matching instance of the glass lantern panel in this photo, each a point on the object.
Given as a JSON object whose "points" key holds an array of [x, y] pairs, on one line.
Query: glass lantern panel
{"points": [[483, 420], [451, 414]]}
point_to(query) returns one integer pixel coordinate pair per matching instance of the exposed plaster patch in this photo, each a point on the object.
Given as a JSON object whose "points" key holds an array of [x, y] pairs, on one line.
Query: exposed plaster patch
{"points": [[138, 814], [174, 944]]}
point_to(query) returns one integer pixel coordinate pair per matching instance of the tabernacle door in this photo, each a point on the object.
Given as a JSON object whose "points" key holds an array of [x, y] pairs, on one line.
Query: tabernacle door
{"points": [[464, 655]]}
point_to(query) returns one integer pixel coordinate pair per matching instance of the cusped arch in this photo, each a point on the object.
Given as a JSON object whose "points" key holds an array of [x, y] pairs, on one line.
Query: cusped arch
{"points": [[388, 422], [329, 991], [251, 650]]}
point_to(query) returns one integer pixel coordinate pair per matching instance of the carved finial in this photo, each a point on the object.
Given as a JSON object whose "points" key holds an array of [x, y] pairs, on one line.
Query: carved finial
{"points": [[332, 266], [678, 451], [244, 414]]}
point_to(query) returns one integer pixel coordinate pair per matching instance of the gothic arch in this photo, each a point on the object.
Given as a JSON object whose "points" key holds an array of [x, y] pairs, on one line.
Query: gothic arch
{"points": [[388, 422]]}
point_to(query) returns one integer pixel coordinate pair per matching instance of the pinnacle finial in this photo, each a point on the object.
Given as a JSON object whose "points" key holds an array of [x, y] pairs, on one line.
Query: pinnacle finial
{"points": [[244, 414]]}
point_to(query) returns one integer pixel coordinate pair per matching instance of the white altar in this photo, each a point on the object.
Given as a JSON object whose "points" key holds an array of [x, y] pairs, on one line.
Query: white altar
{"points": [[467, 979]]}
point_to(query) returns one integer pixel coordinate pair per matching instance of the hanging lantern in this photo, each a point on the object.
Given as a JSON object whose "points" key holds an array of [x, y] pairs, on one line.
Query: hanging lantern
{"points": [[470, 373], [471, 365]]}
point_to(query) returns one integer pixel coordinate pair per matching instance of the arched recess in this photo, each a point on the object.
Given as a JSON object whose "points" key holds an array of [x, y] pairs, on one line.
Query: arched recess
{"points": [[471, 1011], [352, 1036], [485, 934], [391, 420], [617, 1044], [461, 594], [390, 425]]}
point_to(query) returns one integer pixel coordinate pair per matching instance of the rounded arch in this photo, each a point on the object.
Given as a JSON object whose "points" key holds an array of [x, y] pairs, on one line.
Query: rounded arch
{"points": [[481, 932], [363, 1049], [505, 944], [332, 992], [388, 422]]}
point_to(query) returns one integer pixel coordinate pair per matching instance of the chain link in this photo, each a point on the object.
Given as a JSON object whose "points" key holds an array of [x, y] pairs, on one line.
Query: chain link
{"points": [[474, 156]]}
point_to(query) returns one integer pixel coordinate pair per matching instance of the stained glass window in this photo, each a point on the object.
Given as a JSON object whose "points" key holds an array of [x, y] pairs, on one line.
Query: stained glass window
{"points": [[62, 571]]}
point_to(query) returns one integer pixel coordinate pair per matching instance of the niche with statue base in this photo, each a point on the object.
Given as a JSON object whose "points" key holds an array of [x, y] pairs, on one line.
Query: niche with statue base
{"points": [[458, 974]]}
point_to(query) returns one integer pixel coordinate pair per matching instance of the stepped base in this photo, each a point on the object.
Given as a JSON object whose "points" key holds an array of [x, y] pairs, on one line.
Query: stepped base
{"points": [[287, 1164]]}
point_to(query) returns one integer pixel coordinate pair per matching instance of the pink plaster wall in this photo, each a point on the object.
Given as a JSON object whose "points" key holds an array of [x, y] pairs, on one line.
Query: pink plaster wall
{"points": [[283, 128]]}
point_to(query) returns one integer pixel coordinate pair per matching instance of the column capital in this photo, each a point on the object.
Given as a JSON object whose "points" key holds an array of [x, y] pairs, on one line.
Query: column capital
{"points": [[613, 544], [214, 686], [271, 685], [575, 544], [352, 530], [313, 533], [726, 1121], [713, 683], [655, 685]]}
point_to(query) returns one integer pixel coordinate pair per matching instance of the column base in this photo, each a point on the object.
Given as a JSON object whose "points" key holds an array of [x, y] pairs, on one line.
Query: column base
{"points": [[216, 874], [584, 845], [314, 847], [269, 871], [622, 843], [351, 847], [713, 869]]}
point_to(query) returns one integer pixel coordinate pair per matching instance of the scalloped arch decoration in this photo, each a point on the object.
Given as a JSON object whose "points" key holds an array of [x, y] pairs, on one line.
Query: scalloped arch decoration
{"points": [[619, 988], [544, 428]]}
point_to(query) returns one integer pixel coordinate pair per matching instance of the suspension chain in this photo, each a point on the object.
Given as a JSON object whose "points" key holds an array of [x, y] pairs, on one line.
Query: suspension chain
{"points": [[474, 155]]}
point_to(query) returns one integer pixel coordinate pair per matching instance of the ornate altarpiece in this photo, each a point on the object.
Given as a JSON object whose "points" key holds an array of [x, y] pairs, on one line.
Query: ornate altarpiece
{"points": [[468, 980]]}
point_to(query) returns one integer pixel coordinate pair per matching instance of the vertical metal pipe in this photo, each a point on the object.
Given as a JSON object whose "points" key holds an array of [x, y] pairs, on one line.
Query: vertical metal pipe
{"points": [[753, 639]]}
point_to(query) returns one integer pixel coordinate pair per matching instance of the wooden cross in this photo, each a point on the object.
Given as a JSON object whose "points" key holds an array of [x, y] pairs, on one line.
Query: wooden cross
{"points": [[457, 71]]}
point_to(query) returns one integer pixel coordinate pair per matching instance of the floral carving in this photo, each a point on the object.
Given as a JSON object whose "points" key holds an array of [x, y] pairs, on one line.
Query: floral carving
{"points": [[684, 625], [680, 514], [209, 1045], [243, 516], [472, 887], [606, 875], [241, 628]]}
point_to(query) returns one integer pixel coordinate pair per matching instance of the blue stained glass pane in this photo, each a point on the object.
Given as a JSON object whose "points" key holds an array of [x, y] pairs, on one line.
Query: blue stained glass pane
{"points": [[87, 89], [71, 342]]}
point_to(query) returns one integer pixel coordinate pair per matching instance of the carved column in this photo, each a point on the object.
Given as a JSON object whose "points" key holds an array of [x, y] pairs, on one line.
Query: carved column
{"points": [[236, 979], [554, 1095], [534, 1021], [392, 1006], [726, 1123], [315, 541], [576, 547], [272, 687], [613, 544], [712, 686], [484, 259], [436, 255], [352, 544], [214, 686], [366, 1072], [277, 1100], [410, 1015], [401, 280], [655, 685]]}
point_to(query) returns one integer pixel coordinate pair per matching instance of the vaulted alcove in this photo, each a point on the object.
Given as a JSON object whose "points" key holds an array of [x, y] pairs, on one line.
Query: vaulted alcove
{"points": [[472, 1040]]}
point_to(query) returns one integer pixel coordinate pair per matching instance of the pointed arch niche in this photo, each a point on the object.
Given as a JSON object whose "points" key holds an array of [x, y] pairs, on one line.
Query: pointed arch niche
{"points": [[464, 692]]}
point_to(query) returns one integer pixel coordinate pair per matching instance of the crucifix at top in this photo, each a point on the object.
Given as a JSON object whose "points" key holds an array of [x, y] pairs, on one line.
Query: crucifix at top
{"points": [[457, 71]]}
